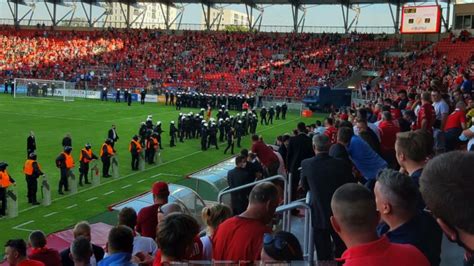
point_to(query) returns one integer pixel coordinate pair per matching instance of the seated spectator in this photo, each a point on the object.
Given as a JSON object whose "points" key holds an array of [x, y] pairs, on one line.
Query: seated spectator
{"points": [[446, 186], [321, 176], [145, 245], [468, 135], [247, 229], [146, 220], [367, 161], [175, 236], [239, 177], [81, 251], [355, 219], [213, 216], [82, 229], [281, 246], [455, 124], [265, 155], [396, 197], [119, 247], [15, 254], [388, 135], [39, 251]]}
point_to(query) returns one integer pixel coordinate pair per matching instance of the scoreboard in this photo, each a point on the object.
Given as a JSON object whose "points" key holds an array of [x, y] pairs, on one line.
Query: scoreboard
{"points": [[421, 19]]}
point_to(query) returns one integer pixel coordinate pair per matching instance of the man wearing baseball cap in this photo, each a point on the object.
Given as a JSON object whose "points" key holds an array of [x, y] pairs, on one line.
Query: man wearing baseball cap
{"points": [[147, 218]]}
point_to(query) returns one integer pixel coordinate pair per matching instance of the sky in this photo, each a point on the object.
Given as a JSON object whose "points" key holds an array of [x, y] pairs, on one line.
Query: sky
{"points": [[371, 15]]}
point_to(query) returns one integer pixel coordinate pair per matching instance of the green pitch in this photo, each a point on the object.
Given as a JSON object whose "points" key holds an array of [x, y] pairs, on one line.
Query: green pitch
{"points": [[89, 121]]}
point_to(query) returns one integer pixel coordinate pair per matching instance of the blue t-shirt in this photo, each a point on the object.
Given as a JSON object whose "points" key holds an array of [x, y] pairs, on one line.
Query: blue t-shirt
{"points": [[367, 161], [466, 86]]}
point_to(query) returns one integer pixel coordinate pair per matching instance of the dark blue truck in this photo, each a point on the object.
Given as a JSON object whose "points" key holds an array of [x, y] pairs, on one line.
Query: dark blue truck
{"points": [[325, 98]]}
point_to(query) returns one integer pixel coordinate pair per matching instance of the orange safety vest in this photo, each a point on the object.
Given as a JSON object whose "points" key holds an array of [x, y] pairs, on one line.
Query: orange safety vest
{"points": [[4, 179], [84, 159], [69, 160], [28, 167], [137, 144], [110, 151], [153, 143]]}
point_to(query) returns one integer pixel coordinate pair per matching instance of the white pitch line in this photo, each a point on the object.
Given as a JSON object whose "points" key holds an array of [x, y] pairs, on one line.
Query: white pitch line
{"points": [[23, 224], [50, 214], [108, 193], [126, 186], [141, 181], [91, 199], [72, 206]]}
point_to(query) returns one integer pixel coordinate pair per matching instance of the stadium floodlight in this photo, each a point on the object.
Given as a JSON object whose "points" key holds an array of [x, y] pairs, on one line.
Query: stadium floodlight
{"points": [[46, 89]]}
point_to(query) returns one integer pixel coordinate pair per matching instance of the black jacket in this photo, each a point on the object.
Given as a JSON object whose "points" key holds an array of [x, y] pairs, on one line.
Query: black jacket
{"points": [[31, 143], [300, 147], [239, 199], [111, 135], [66, 260], [321, 175]]}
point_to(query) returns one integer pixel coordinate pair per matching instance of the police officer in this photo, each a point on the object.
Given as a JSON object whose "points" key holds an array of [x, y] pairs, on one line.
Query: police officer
{"points": [[158, 131], [32, 171], [271, 114], [172, 98], [151, 148], [125, 96], [167, 97], [117, 96], [142, 96], [178, 101], [278, 111], [149, 122], [142, 133], [30, 144], [263, 116], [65, 162], [5, 181], [213, 136], [221, 126], [106, 152], [67, 140], [204, 133], [129, 98], [85, 157], [239, 132], [284, 109], [173, 132], [230, 141], [135, 148]]}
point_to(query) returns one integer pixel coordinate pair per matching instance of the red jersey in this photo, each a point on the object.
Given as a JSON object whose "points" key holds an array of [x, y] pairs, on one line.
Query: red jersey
{"points": [[195, 255], [344, 117], [388, 135], [147, 221], [382, 252], [396, 113], [239, 239], [30, 263], [48, 256], [455, 119], [331, 132], [426, 112], [264, 153]]}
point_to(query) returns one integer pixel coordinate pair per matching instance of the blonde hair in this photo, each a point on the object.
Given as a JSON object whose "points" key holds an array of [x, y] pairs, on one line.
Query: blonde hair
{"points": [[214, 215]]}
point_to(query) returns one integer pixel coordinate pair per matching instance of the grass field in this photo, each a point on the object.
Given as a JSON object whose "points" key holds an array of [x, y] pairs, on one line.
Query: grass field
{"points": [[89, 121]]}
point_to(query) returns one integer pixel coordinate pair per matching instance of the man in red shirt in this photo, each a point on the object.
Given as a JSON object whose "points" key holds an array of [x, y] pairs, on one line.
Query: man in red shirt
{"points": [[388, 136], [240, 237], [355, 219], [39, 251], [266, 155], [426, 115], [15, 253], [147, 219], [454, 126]]}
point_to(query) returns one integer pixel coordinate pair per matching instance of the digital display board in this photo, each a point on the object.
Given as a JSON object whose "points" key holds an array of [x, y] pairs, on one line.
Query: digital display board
{"points": [[421, 19]]}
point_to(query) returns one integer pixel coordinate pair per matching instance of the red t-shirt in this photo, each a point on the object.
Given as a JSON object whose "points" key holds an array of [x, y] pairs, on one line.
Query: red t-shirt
{"points": [[147, 221], [29, 262], [344, 117], [48, 256], [455, 119], [382, 252], [264, 153], [239, 239], [388, 135], [426, 112], [331, 132]]}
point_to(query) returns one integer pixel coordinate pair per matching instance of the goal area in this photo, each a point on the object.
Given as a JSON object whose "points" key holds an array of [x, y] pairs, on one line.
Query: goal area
{"points": [[45, 89]]}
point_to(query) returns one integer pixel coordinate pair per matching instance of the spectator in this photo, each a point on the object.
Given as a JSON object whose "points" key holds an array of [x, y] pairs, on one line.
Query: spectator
{"points": [[466, 85], [175, 236], [411, 153], [39, 251], [81, 251], [321, 176], [331, 130], [368, 134], [355, 219], [213, 216], [320, 129], [441, 108], [468, 135], [426, 115], [254, 167], [146, 220], [266, 156], [82, 229], [388, 135], [281, 246], [15, 254], [299, 149], [120, 247], [283, 149], [238, 177], [364, 158], [247, 229], [455, 124], [141, 244], [396, 197]]}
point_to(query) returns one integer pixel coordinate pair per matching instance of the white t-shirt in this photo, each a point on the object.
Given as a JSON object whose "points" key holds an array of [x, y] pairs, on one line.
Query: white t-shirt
{"points": [[471, 141], [206, 248], [440, 108], [144, 244]]}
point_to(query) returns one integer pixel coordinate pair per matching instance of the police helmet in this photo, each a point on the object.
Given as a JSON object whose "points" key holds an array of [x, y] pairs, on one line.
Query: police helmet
{"points": [[158, 123], [87, 145], [67, 148], [32, 156]]}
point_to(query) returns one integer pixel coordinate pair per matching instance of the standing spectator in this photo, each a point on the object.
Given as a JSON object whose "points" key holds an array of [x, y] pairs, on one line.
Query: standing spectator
{"points": [[213, 216], [396, 197], [355, 219], [283, 149], [81, 252], [289, 250], [145, 245], [446, 186], [411, 153], [321, 176], [119, 246], [236, 177], [299, 149], [266, 156], [466, 86], [247, 229], [15, 254], [455, 124], [331, 130], [30, 144], [39, 251], [82, 230], [367, 134], [253, 166], [388, 135], [175, 236], [426, 115], [441, 108], [147, 220]]}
